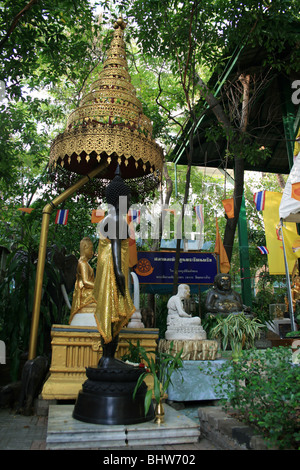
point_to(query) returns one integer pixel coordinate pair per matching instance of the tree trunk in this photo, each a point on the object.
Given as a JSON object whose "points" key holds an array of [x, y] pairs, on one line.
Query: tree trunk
{"points": [[238, 194], [239, 169]]}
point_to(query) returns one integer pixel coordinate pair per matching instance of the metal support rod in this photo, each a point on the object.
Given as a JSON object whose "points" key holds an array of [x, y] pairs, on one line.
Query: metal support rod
{"points": [[48, 209], [288, 282]]}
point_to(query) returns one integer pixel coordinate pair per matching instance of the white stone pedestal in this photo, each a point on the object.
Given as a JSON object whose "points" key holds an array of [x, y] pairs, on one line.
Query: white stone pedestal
{"points": [[191, 384]]}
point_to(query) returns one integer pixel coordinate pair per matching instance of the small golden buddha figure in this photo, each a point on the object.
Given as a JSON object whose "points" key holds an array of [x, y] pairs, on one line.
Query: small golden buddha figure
{"points": [[84, 285]]}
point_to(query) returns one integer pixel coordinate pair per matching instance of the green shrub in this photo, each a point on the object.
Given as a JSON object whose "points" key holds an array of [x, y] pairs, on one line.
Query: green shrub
{"points": [[263, 386]]}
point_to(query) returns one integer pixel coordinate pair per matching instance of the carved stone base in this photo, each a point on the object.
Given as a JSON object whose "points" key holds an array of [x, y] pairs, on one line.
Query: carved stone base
{"points": [[201, 350], [76, 347], [183, 332]]}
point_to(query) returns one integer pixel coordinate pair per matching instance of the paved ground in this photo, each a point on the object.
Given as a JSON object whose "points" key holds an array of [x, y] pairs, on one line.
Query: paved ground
{"points": [[19, 432]]}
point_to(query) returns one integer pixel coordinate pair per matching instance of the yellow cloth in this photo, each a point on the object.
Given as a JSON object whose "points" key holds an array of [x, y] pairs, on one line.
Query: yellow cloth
{"points": [[273, 236], [220, 250], [113, 311], [83, 290]]}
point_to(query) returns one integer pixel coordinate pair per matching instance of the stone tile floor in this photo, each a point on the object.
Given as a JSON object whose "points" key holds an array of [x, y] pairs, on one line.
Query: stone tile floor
{"points": [[19, 432]]}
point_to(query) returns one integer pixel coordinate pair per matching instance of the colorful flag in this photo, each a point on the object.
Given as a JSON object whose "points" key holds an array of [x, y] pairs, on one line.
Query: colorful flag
{"points": [[274, 240], [199, 214], [229, 207], [134, 215], [62, 216], [25, 209], [97, 216], [220, 250], [263, 249], [259, 200]]}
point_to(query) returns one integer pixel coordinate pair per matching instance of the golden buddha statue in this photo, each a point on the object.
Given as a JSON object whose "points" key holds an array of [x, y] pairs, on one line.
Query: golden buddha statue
{"points": [[84, 285]]}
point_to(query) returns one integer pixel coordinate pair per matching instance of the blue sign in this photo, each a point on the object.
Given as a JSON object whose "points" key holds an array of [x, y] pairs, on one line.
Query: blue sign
{"points": [[158, 267]]}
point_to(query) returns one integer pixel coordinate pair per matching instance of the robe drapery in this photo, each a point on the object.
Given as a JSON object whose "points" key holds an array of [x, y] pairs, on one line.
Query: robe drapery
{"points": [[83, 290], [113, 311]]}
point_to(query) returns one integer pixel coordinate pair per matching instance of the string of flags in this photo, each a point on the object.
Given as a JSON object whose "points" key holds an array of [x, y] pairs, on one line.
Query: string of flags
{"points": [[97, 215]]}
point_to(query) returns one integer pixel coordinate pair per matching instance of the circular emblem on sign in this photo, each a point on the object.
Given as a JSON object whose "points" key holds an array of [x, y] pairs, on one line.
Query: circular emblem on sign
{"points": [[144, 267]]}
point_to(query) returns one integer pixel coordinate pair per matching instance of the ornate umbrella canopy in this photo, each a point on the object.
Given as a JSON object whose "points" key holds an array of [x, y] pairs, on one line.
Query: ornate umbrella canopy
{"points": [[109, 125]]}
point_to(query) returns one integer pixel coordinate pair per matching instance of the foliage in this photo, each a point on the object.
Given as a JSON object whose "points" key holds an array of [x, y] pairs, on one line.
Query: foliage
{"points": [[238, 330], [264, 297], [133, 354], [161, 313], [39, 49], [264, 388], [161, 368], [17, 288]]}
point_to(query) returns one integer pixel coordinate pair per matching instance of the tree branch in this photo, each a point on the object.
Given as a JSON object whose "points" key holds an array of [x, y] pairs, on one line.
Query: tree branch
{"points": [[16, 20]]}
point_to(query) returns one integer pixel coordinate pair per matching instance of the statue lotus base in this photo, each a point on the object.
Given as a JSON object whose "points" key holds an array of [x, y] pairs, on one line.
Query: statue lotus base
{"points": [[107, 397], [198, 350]]}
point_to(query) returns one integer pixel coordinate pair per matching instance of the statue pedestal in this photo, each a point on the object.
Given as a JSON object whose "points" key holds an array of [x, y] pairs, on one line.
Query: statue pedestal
{"points": [[76, 347], [192, 384], [191, 350]]}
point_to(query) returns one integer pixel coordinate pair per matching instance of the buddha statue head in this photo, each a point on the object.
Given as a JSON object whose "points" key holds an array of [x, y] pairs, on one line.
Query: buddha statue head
{"points": [[86, 248], [117, 188]]}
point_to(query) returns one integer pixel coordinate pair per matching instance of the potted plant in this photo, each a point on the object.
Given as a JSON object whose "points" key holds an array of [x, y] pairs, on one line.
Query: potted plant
{"points": [[161, 369], [239, 330]]}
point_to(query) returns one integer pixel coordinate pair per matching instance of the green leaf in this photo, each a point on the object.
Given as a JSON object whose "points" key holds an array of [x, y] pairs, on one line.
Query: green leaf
{"points": [[148, 401]]}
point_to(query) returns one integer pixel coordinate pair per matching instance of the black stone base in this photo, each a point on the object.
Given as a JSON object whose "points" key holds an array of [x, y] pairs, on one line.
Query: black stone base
{"points": [[107, 397]]}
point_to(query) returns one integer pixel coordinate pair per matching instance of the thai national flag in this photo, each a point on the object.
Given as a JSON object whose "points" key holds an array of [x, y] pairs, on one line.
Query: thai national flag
{"points": [[62, 216], [134, 216], [263, 249], [199, 214], [259, 199]]}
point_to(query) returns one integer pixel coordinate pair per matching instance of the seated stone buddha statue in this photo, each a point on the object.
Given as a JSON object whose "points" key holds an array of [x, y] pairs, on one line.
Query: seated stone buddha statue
{"points": [[181, 325]]}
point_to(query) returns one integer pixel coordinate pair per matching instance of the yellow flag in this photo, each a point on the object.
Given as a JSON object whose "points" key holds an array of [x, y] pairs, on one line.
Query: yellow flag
{"points": [[274, 238]]}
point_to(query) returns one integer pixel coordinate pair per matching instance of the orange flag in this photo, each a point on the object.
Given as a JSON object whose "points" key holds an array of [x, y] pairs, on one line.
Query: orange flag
{"points": [[220, 250], [25, 209], [133, 257], [229, 207], [97, 216], [296, 191]]}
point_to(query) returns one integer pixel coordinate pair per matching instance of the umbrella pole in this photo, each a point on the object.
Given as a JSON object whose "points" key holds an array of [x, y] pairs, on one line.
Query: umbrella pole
{"points": [[288, 283], [48, 209]]}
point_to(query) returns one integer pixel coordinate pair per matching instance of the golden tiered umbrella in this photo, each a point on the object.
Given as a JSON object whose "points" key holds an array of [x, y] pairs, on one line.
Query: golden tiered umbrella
{"points": [[107, 129], [109, 125]]}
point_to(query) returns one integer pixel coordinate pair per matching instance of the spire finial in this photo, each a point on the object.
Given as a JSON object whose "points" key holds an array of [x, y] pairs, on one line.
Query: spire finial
{"points": [[120, 23]]}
